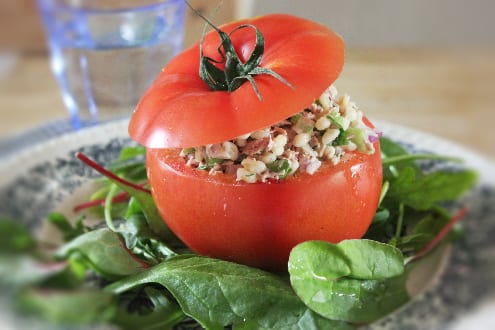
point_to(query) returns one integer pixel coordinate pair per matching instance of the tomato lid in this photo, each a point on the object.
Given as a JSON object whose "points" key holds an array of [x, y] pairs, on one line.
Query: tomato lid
{"points": [[180, 110]]}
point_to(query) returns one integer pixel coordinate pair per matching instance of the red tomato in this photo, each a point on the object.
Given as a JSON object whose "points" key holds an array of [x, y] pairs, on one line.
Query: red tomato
{"points": [[255, 224], [180, 110], [258, 224]]}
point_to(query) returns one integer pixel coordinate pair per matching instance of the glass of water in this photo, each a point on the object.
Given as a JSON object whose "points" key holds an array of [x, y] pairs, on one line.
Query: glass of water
{"points": [[106, 53]]}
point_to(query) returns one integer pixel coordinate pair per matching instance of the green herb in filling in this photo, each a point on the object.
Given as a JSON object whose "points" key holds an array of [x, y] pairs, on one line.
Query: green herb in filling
{"points": [[280, 166]]}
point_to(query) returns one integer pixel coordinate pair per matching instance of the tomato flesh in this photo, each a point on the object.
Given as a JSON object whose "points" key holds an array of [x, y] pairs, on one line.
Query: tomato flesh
{"points": [[258, 224]]}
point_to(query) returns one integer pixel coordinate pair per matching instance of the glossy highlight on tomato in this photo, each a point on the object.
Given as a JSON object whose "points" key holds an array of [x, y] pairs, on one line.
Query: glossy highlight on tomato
{"points": [[258, 224]]}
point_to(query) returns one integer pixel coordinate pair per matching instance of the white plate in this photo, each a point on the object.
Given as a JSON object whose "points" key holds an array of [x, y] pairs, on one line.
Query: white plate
{"points": [[37, 179]]}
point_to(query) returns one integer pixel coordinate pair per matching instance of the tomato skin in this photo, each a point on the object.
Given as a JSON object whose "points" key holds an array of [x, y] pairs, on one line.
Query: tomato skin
{"points": [[258, 224], [254, 224], [179, 110]]}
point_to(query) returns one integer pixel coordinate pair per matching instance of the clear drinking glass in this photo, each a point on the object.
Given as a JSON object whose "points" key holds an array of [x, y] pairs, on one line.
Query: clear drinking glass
{"points": [[106, 53]]}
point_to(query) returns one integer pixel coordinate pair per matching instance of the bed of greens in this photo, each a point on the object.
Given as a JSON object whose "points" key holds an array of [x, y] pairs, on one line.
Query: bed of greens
{"points": [[131, 272]]}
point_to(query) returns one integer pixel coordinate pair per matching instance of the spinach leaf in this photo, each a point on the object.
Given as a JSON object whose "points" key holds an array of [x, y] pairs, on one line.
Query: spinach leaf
{"points": [[391, 149], [132, 152], [68, 230], [150, 212], [146, 309], [218, 293], [84, 306], [409, 185], [21, 270], [359, 301], [142, 241], [357, 258], [411, 209], [132, 170], [130, 164], [423, 230], [22, 264], [381, 216], [309, 320], [103, 251], [14, 237], [354, 281], [370, 260], [424, 192]]}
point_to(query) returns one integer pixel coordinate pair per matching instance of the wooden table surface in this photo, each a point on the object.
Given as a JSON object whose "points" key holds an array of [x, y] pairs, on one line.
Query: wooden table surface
{"points": [[447, 92]]}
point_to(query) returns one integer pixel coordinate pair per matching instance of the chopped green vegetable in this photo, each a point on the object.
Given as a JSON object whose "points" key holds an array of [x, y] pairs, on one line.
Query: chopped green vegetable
{"points": [[337, 119], [187, 151], [210, 163], [358, 137], [294, 119], [280, 166]]}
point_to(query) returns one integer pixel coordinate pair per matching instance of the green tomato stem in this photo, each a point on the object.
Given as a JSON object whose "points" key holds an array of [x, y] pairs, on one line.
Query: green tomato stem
{"points": [[229, 73]]}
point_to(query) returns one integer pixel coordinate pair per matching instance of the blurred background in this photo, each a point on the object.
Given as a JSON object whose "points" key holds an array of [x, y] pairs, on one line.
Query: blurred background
{"points": [[388, 23], [425, 64]]}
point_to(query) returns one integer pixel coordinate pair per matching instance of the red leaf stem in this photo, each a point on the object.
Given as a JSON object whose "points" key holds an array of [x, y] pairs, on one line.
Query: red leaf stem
{"points": [[133, 256], [441, 234], [119, 198], [88, 161]]}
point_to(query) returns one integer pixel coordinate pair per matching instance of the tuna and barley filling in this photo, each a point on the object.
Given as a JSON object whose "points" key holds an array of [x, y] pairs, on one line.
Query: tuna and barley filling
{"points": [[326, 131]]}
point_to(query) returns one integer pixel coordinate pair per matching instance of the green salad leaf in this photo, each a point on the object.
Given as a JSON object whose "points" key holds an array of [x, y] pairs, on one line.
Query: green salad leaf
{"points": [[21, 270], [82, 306], [134, 273], [68, 230], [103, 251], [411, 195], [425, 191], [14, 237], [356, 281], [147, 308], [218, 293]]}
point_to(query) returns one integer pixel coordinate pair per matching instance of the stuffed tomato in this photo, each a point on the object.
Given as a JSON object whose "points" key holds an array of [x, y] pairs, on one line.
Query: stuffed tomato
{"points": [[257, 153]]}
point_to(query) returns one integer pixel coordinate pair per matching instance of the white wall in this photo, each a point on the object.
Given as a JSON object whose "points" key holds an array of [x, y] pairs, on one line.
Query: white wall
{"points": [[392, 23]]}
